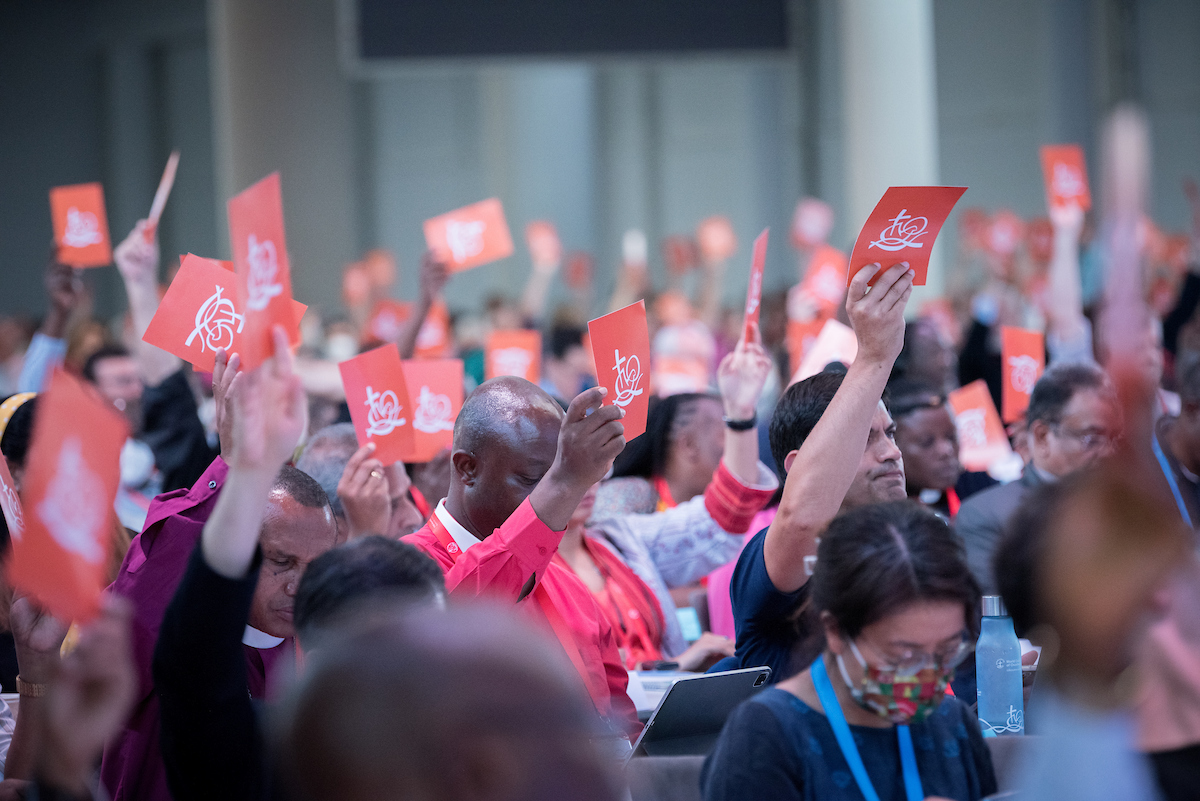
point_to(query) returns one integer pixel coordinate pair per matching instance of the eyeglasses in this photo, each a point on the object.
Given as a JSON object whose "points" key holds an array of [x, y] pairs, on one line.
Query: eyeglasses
{"points": [[912, 660], [1087, 439]]}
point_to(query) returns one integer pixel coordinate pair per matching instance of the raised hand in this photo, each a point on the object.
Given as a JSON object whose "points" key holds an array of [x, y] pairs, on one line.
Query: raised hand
{"points": [[588, 443], [742, 374], [433, 276], [877, 312], [225, 369], [136, 258], [363, 491], [38, 636], [89, 700], [1067, 221], [64, 287], [268, 412]]}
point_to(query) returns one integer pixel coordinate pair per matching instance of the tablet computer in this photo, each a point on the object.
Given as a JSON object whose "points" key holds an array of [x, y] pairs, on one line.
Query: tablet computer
{"points": [[689, 718]]}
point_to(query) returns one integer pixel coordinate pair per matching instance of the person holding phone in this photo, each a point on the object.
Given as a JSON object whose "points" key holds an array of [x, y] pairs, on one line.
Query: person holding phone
{"points": [[870, 717]]}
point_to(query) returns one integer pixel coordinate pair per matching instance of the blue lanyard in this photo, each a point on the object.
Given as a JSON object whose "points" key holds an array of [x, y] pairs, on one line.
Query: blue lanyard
{"points": [[1170, 474], [841, 730]]}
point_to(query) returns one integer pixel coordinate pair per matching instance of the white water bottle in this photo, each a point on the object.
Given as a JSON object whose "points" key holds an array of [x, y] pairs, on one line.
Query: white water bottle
{"points": [[998, 672]]}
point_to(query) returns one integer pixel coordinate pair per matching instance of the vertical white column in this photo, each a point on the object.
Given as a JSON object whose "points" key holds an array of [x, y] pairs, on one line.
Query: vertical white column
{"points": [[889, 99]]}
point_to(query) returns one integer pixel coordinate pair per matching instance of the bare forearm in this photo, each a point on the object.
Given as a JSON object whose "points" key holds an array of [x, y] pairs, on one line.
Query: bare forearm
{"points": [[407, 341], [230, 536], [533, 300], [22, 751], [741, 454], [155, 363], [1065, 307], [822, 472]]}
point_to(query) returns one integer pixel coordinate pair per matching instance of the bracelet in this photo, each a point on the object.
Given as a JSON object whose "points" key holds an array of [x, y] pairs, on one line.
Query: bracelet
{"points": [[30, 690], [741, 425]]}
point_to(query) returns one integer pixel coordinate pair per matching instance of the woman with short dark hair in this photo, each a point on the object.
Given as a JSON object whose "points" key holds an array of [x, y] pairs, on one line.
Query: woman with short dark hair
{"points": [[869, 718]]}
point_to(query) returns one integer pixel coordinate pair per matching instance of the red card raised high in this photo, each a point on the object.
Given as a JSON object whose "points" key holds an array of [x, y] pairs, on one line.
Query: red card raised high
{"points": [[903, 227], [758, 261], [1023, 358], [80, 225], [1065, 173], [387, 319], [825, 282], [516, 353], [470, 236], [433, 340], [621, 348], [437, 395], [70, 482], [261, 260], [377, 395]]}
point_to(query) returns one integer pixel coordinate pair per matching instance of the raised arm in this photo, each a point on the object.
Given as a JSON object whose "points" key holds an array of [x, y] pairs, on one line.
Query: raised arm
{"points": [[740, 377], [137, 261], [1067, 330], [433, 277], [546, 249], [823, 469], [64, 288]]}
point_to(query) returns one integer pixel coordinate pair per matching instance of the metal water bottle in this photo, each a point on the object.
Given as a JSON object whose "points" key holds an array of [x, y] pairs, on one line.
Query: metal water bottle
{"points": [[998, 672]]}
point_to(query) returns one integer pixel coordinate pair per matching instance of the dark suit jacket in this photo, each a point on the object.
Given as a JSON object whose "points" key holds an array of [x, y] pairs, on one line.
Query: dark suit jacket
{"points": [[982, 519]]}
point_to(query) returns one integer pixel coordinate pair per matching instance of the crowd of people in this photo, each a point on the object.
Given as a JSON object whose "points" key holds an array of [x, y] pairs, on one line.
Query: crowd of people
{"points": [[291, 618]]}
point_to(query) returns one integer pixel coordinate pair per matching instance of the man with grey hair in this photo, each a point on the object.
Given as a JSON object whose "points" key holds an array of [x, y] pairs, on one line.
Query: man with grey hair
{"points": [[367, 498]]}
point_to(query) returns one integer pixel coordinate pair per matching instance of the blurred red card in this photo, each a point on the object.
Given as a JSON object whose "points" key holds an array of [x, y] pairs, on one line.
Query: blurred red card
{"points": [[825, 281], [379, 404], [261, 260], [1065, 173], [981, 438], [903, 227], [433, 340], [1023, 358], [387, 320], [10, 502], [835, 343], [716, 238], [513, 353], [676, 374], [437, 395], [758, 261], [81, 225], [70, 482], [621, 348], [201, 312], [470, 236], [800, 339]]}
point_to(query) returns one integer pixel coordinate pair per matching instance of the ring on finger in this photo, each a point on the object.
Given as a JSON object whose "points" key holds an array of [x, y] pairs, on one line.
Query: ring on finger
{"points": [[376, 474]]}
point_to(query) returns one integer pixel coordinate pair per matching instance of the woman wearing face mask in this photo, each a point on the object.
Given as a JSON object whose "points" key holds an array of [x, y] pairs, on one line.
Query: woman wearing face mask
{"points": [[869, 719]]}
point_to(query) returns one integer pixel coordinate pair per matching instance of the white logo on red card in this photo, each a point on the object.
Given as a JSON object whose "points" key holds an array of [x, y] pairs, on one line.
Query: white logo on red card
{"points": [[902, 233], [755, 292], [433, 412], [383, 413], [215, 321], [73, 508], [972, 428], [10, 503], [386, 326], [629, 379], [511, 361], [465, 238], [82, 229], [1066, 181], [1024, 372], [261, 285]]}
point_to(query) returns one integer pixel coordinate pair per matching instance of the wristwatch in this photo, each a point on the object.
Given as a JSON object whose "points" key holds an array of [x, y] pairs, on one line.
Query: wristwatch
{"points": [[29, 690], [741, 425]]}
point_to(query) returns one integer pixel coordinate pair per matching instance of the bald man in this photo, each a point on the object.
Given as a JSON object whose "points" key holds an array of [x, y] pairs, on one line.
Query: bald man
{"points": [[519, 467]]}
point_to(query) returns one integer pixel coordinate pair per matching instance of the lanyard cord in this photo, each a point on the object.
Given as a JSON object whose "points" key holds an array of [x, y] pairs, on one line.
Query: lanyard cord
{"points": [[845, 740], [1174, 484]]}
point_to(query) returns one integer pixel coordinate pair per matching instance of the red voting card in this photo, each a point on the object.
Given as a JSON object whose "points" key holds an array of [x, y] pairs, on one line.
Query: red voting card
{"points": [[621, 348], [513, 353], [800, 339], [71, 478], [202, 312], [835, 343], [437, 395], [903, 227], [825, 281], [379, 402], [1023, 358], [81, 225], [433, 340], [758, 261], [544, 244], [10, 502], [470, 236], [981, 438], [1066, 176], [261, 260], [387, 320], [716, 238]]}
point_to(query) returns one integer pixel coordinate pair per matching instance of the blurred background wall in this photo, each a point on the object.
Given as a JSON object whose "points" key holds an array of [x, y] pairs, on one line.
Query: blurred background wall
{"points": [[866, 92]]}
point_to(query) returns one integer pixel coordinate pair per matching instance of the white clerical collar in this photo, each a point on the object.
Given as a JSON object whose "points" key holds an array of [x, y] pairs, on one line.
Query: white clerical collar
{"points": [[462, 537], [259, 639]]}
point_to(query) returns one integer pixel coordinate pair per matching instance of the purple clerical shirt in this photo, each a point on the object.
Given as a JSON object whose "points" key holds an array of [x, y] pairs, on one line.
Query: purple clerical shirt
{"points": [[133, 769]]}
